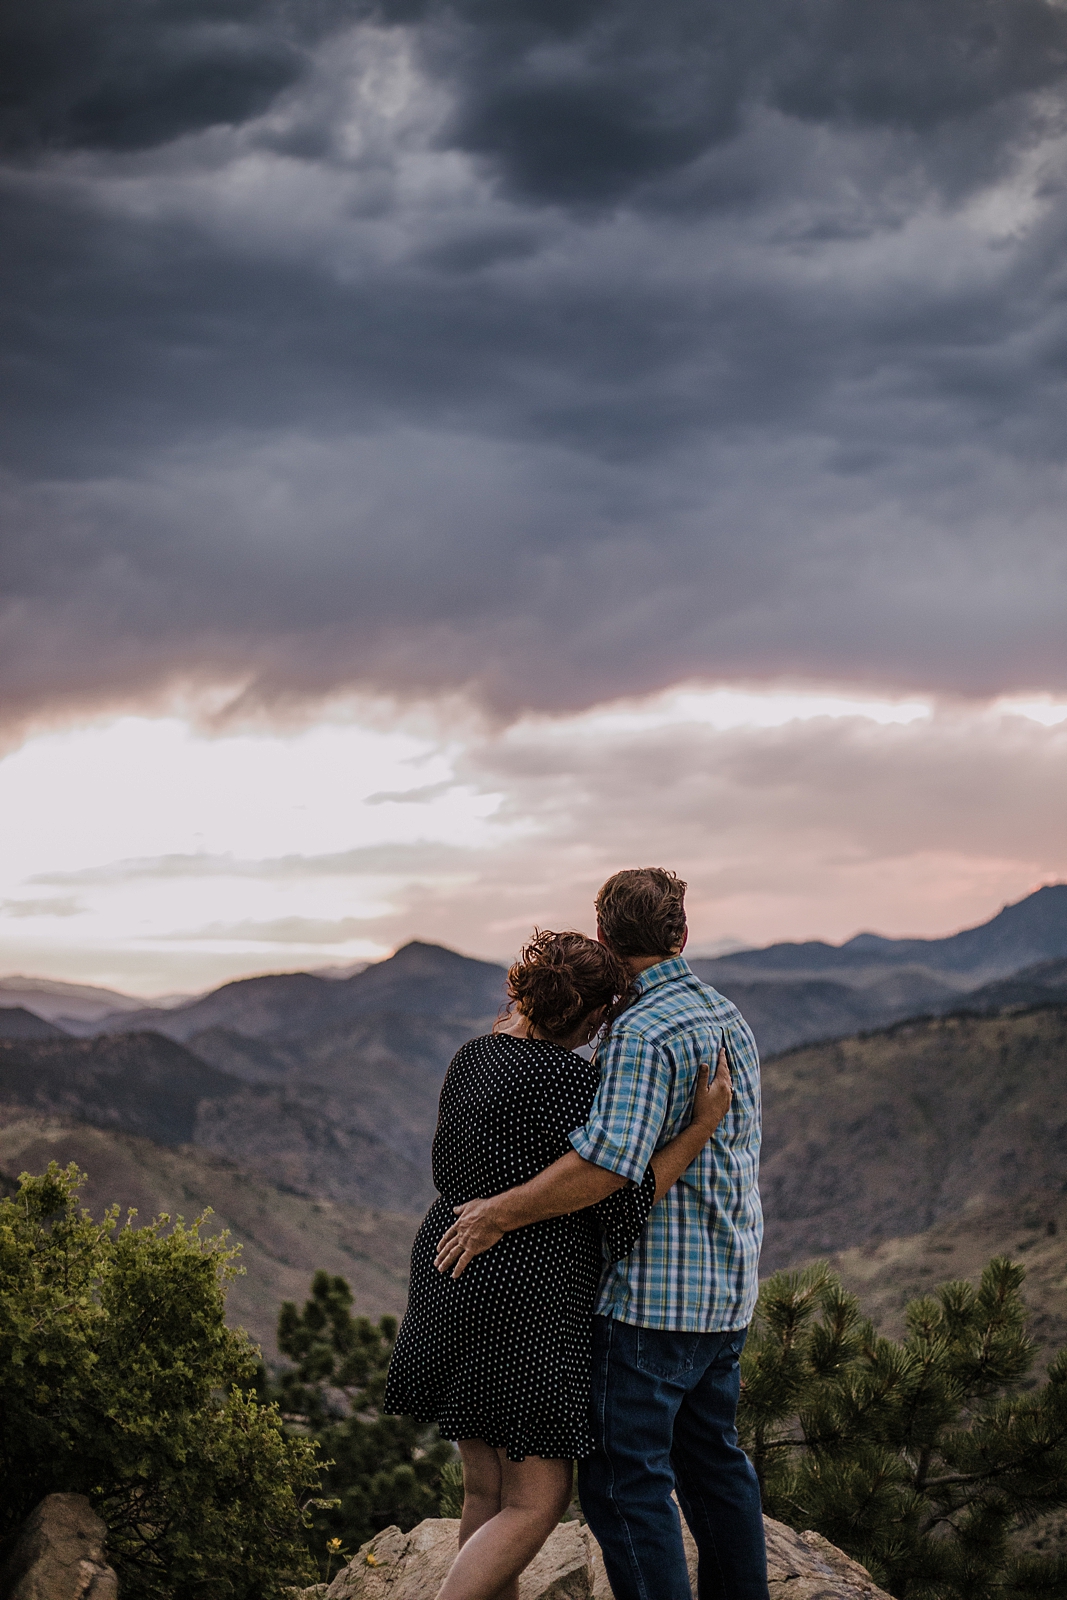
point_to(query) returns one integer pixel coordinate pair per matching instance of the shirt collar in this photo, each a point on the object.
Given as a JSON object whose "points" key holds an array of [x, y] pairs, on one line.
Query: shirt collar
{"points": [[662, 972]]}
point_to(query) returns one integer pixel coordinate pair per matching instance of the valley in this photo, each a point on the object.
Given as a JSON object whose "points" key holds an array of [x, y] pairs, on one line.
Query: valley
{"points": [[284, 1237], [302, 1108], [887, 1133]]}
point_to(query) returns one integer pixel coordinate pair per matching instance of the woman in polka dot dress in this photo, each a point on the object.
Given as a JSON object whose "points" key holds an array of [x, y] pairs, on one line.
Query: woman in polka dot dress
{"points": [[499, 1357]]}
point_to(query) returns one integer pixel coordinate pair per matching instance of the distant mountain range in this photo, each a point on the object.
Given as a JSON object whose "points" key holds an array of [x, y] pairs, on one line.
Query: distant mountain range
{"points": [[799, 993], [890, 978], [302, 1107], [423, 980], [889, 1150], [1025, 934], [68, 1004], [329, 1086], [326, 1086]]}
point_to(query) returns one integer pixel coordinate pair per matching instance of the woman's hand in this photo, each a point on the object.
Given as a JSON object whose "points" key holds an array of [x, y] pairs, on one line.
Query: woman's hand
{"points": [[712, 1096]]}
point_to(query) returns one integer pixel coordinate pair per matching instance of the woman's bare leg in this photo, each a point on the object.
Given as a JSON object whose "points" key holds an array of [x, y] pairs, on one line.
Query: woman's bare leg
{"points": [[481, 1486], [534, 1494], [481, 1497]]}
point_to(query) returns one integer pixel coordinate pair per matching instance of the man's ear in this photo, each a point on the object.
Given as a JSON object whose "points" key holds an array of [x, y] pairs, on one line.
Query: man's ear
{"points": [[600, 933], [685, 941]]}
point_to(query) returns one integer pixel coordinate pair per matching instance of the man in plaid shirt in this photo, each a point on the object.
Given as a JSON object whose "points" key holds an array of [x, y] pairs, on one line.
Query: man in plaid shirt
{"points": [[672, 1316]]}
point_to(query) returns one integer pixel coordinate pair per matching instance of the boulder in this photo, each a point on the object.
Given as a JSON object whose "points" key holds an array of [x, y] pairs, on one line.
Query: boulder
{"points": [[60, 1555], [805, 1566], [402, 1566], [562, 1568], [412, 1566]]}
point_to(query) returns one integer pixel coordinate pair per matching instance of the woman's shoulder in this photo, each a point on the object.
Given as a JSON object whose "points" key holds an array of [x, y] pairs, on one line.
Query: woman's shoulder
{"points": [[539, 1057]]}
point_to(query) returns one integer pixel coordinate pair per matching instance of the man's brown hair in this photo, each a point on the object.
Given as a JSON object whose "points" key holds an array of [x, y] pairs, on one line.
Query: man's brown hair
{"points": [[642, 912]]}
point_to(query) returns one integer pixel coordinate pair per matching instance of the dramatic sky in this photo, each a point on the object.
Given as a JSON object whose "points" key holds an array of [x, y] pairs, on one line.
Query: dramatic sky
{"points": [[452, 450]]}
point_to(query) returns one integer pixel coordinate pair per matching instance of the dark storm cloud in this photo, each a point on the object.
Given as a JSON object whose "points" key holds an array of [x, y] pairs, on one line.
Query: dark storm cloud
{"points": [[120, 76], [546, 352], [585, 102]]}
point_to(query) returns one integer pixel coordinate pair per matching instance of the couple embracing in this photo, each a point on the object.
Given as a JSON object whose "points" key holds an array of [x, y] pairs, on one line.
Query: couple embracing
{"points": [[582, 1288]]}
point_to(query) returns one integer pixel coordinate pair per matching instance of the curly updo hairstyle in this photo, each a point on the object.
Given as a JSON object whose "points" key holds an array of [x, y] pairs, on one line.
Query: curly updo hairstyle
{"points": [[560, 978]]}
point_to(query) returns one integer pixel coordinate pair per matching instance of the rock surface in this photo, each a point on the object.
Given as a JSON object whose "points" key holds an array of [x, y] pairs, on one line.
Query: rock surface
{"points": [[412, 1566], [60, 1555], [805, 1566]]}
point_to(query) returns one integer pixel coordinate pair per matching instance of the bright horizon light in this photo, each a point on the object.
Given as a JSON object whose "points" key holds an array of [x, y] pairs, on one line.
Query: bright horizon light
{"points": [[151, 855], [725, 708]]}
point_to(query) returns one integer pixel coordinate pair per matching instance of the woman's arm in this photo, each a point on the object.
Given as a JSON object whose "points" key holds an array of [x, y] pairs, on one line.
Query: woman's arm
{"points": [[711, 1102], [572, 1183]]}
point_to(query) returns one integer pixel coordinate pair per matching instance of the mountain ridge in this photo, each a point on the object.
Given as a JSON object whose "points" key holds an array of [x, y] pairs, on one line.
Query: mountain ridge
{"points": [[1021, 934], [330, 1086], [875, 979], [16, 1022], [284, 1005]]}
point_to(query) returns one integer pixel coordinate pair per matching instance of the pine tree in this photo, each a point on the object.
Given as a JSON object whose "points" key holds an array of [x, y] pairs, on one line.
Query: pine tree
{"points": [[120, 1380], [920, 1457], [381, 1469]]}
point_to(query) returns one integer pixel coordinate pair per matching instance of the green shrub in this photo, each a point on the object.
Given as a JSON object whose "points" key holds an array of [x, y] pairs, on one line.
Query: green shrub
{"points": [[380, 1469], [120, 1380], [921, 1458]]}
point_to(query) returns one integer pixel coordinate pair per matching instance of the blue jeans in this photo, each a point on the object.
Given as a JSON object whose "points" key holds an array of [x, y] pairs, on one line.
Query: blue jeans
{"points": [[664, 1406]]}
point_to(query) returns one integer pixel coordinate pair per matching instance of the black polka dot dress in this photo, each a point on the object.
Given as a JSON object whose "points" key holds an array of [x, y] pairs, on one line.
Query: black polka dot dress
{"points": [[503, 1352]]}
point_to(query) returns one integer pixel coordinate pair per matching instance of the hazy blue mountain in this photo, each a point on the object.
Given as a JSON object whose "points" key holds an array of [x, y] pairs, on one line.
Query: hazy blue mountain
{"points": [[330, 1086], [278, 1001], [787, 1012], [420, 979], [18, 1023], [140, 1083], [327, 1086], [355, 1106], [1045, 984], [308, 1139], [791, 994], [73, 1006], [867, 1137], [1031, 931]]}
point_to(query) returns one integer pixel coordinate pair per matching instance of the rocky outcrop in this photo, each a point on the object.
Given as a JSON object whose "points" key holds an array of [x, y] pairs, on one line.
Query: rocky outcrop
{"points": [[805, 1566], [60, 1555], [412, 1566]]}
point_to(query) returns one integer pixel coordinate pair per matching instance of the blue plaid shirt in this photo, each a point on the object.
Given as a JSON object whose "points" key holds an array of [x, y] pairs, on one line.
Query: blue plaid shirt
{"points": [[694, 1267]]}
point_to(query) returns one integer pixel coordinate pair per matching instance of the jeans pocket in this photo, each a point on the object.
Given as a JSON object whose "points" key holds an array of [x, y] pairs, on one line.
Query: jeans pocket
{"points": [[661, 1354]]}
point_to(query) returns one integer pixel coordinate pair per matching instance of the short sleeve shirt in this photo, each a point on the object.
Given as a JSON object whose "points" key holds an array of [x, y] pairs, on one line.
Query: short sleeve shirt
{"points": [[694, 1269]]}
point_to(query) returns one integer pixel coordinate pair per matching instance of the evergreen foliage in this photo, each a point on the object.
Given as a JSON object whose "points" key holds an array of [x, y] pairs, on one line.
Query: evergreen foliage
{"points": [[120, 1380], [921, 1457], [379, 1469]]}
